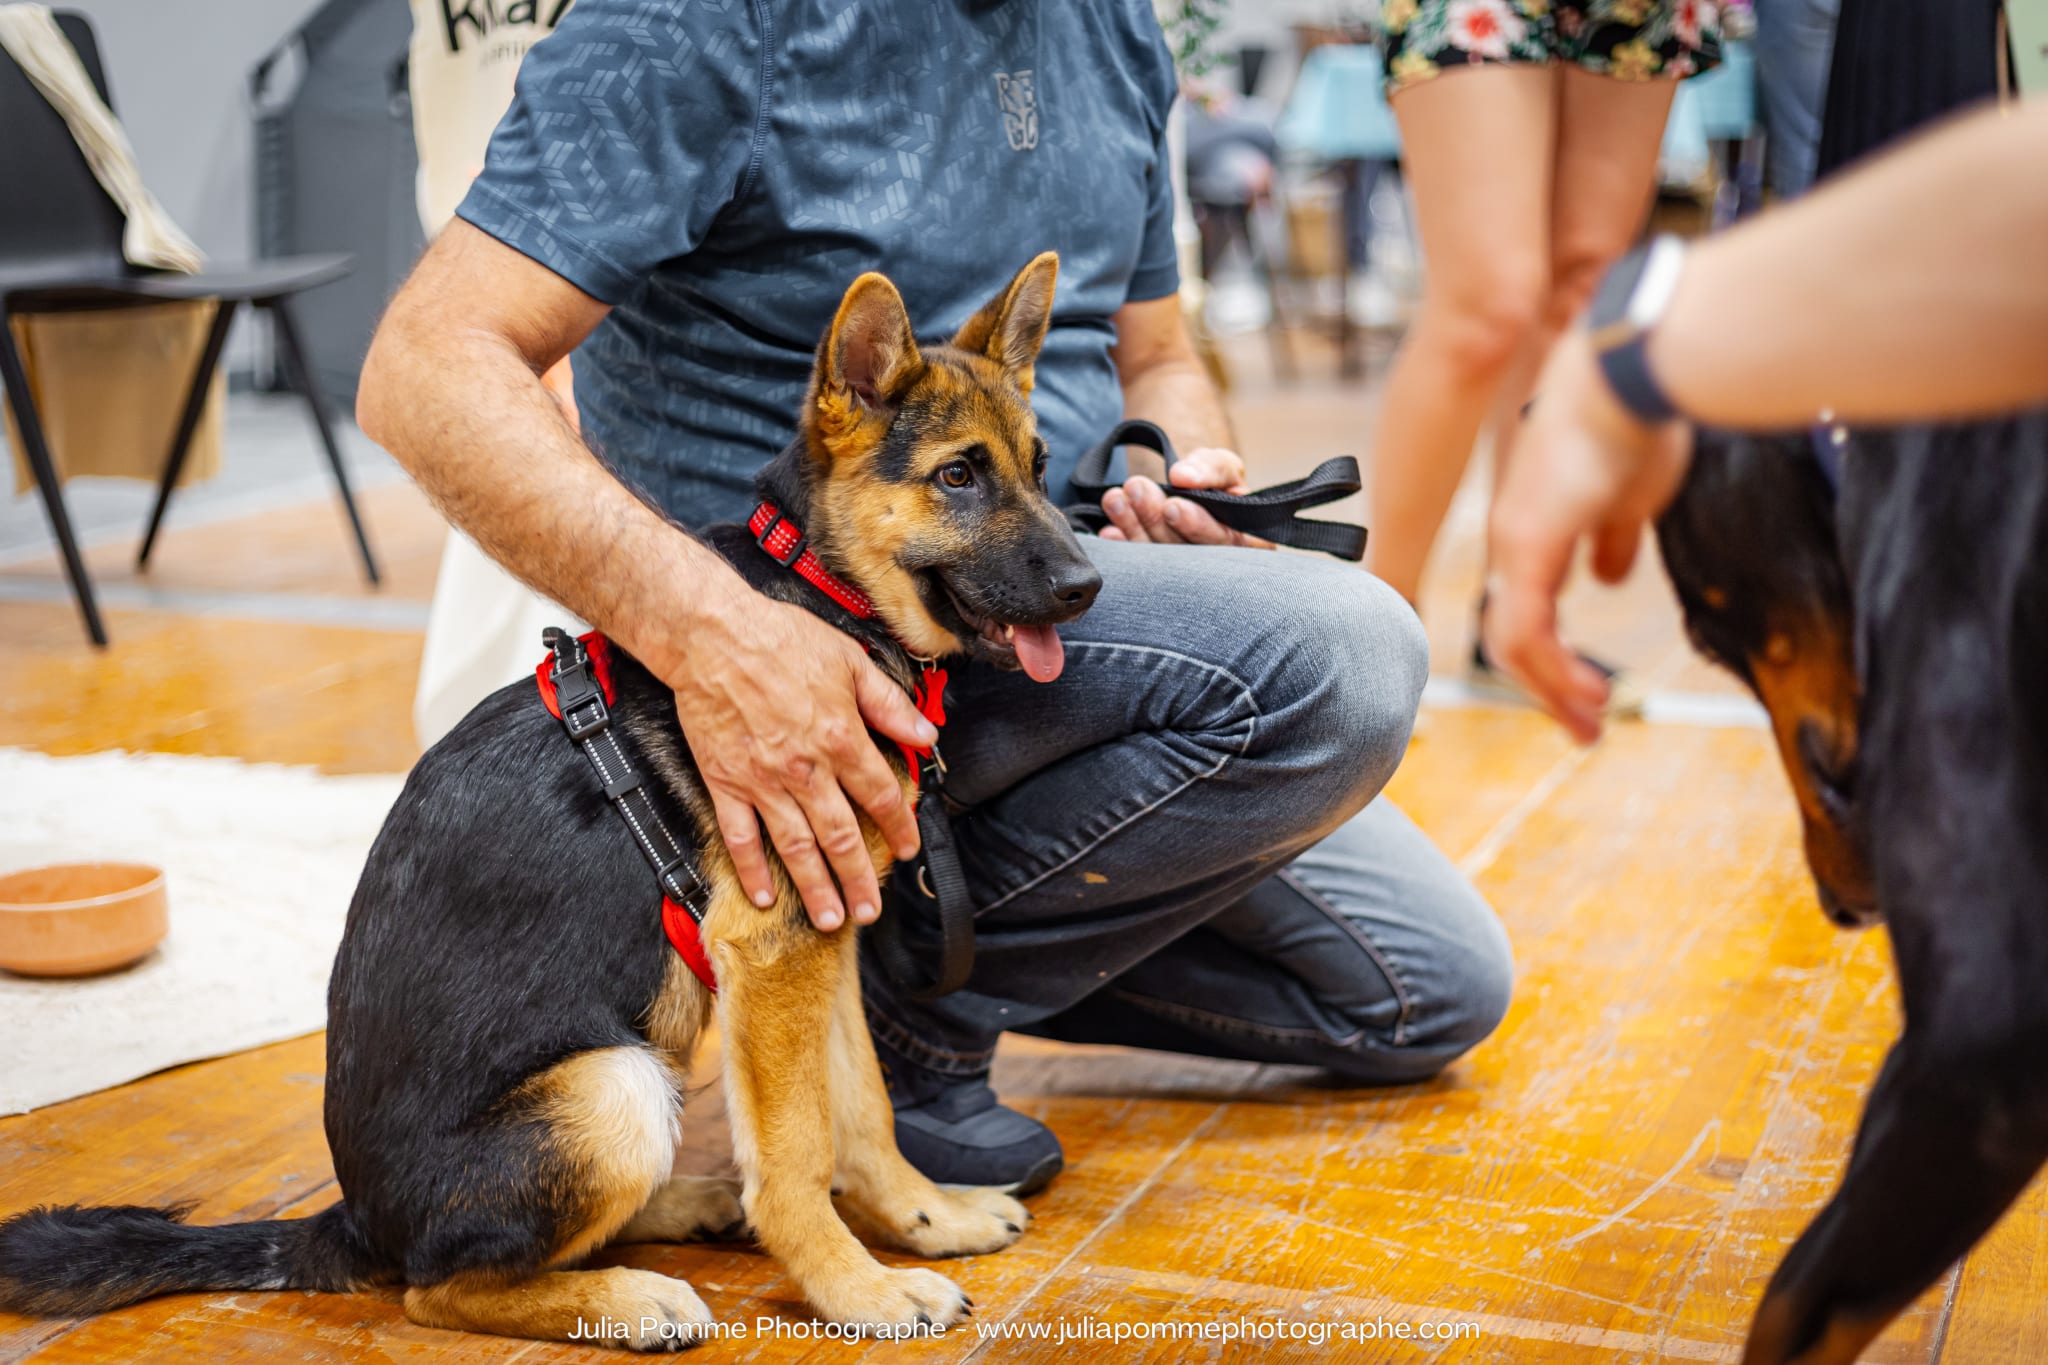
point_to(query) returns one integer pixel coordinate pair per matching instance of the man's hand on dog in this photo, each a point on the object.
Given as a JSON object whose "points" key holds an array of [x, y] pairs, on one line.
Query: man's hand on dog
{"points": [[1141, 509], [1583, 469], [777, 710]]}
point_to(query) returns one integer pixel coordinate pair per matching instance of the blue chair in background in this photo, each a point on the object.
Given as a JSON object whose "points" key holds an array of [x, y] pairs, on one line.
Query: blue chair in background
{"points": [[1337, 117], [1719, 110]]}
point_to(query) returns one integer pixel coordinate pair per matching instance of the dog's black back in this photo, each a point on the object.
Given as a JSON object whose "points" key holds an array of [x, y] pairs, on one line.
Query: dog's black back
{"points": [[1940, 799]]}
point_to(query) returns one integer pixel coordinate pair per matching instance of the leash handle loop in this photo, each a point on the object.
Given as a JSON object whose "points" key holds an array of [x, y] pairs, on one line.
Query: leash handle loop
{"points": [[1269, 513]]}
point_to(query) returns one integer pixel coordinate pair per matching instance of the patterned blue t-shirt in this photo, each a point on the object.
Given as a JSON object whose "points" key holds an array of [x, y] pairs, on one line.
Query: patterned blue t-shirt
{"points": [[720, 170]]}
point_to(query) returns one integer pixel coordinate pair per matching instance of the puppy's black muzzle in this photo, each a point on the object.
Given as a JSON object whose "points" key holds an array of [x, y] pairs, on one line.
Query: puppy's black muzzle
{"points": [[1039, 579]]}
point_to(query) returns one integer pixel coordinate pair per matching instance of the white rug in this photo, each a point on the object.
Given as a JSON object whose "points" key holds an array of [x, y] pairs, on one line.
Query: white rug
{"points": [[259, 862]]}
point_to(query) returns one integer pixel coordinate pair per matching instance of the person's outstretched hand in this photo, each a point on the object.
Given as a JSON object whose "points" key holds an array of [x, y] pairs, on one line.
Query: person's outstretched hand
{"points": [[776, 707], [1142, 510], [1583, 469]]}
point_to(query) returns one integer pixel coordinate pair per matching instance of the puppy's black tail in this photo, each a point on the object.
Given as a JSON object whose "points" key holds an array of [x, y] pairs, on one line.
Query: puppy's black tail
{"points": [[70, 1261]]}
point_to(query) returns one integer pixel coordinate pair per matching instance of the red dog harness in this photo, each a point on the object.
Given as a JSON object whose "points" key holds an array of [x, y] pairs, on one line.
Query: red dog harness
{"points": [[576, 685]]}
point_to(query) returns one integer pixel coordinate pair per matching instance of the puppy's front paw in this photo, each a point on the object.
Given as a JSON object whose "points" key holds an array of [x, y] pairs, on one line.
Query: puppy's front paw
{"points": [[916, 1298], [966, 1220], [657, 1313], [895, 1300]]}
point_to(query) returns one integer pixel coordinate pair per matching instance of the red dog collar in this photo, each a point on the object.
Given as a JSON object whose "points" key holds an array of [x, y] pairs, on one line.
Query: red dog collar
{"points": [[786, 544]]}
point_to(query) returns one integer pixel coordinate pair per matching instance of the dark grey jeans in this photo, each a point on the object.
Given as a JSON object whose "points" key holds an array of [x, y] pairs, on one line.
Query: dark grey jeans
{"points": [[1180, 844]]}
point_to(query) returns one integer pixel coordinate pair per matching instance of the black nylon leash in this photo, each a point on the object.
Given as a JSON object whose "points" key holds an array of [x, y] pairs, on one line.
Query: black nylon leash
{"points": [[1269, 513], [942, 885], [937, 872]]}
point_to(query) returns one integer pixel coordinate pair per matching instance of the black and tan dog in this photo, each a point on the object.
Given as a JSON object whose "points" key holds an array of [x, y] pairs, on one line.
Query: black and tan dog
{"points": [[509, 1029], [1897, 631]]}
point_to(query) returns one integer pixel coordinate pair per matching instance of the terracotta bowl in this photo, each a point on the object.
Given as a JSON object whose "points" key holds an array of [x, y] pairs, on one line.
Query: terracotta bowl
{"points": [[79, 918]]}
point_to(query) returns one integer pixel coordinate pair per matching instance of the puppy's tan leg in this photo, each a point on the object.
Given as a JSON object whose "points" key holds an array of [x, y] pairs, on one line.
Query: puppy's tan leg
{"points": [[638, 1310], [607, 1137], [885, 1195], [778, 980], [689, 1207]]}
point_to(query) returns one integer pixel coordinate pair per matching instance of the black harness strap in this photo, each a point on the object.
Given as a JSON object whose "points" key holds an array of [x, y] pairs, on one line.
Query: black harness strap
{"points": [[588, 720], [1270, 513]]}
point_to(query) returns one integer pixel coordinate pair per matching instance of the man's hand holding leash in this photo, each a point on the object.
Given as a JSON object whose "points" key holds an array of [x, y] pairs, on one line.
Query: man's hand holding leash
{"points": [[1143, 511], [1164, 381]]}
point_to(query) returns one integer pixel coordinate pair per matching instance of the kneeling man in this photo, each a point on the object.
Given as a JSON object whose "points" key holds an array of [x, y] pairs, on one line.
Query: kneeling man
{"points": [[1180, 844]]}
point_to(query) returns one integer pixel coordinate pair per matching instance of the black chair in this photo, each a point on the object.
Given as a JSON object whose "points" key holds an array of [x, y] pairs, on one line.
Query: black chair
{"points": [[60, 251]]}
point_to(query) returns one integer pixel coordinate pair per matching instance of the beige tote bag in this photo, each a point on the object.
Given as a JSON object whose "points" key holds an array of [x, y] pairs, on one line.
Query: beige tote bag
{"points": [[110, 387], [483, 630]]}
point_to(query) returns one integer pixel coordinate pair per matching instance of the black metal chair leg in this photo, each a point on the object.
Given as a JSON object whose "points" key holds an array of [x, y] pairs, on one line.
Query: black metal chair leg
{"points": [[188, 423], [301, 376], [15, 377], [1279, 324], [1350, 355]]}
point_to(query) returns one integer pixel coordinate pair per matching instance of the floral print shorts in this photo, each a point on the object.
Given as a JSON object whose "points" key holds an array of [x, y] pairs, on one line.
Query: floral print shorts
{"points": [[1631, 40]]}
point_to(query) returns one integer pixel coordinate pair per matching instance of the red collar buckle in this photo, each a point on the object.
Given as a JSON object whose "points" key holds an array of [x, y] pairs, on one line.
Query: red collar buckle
{"points": [[794, 544]]}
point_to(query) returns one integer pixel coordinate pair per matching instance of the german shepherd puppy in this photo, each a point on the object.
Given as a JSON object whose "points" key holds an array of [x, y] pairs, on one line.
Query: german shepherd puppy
{"points": [[509, 1030], [1894, 630]]}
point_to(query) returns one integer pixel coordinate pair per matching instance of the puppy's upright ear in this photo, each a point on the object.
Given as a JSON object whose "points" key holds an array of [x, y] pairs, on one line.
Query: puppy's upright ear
{"points": [[868, 359], [1012, 327]]}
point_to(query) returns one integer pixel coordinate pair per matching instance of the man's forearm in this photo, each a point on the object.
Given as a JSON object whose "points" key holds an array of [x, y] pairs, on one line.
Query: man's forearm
{"points": [[1916, 287], [1179, 397], [469, 419]]}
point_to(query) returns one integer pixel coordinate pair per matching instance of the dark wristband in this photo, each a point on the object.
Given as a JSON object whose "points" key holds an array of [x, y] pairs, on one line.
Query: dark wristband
{"points": [[1626, 310], [1628, 374]]}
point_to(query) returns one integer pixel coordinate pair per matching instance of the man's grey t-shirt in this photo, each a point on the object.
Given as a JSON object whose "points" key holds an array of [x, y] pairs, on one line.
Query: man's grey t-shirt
{"points": [[720, 170]]}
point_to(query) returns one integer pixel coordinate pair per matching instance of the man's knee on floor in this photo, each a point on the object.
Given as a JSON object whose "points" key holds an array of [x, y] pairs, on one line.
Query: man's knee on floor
{"points": [[1456, 999], [1448, 1034], [1487, 973]]}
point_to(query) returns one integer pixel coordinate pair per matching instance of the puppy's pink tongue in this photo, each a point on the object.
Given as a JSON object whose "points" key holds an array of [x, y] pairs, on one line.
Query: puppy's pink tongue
{"points": [[1040, 651]]}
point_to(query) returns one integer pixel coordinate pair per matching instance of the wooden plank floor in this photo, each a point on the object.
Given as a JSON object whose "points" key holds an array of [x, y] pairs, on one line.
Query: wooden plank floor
{"points": [[1610, 1179]]}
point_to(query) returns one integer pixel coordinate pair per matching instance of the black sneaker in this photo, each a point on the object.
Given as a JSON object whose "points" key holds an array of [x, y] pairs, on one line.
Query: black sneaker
{"points": [[952, 1129]]}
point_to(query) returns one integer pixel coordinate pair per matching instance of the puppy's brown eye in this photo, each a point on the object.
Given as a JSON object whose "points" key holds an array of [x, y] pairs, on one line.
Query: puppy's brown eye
{"points": [[957, 474]]}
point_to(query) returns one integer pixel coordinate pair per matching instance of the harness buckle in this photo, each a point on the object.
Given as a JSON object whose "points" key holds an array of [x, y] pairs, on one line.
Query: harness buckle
{"points": [[796, 548], [576, 689], [588, 719]]}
